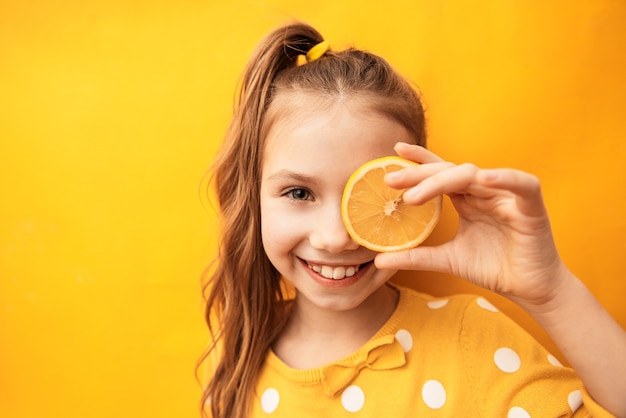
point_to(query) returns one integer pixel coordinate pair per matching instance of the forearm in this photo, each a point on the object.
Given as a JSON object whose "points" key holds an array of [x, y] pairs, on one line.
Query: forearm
{"points": [[591, 340]]}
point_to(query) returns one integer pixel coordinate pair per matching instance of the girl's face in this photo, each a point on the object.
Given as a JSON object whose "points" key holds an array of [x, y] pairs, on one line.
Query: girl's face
{"points": [[307, 162]]}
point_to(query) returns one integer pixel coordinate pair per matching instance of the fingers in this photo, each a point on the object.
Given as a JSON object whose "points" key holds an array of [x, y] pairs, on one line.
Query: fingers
{"points": [[420, 258], [416, 153], [429, 180], [437, 177], [472, 182], [526, 187], [433, 177], [518, 182]]}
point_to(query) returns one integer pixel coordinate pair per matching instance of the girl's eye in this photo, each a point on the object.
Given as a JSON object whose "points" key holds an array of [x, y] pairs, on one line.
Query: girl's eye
{"points": [[299, 194]]}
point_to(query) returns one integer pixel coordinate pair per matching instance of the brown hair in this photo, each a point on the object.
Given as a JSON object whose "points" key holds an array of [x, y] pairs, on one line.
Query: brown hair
{"points": [[245, 306]]}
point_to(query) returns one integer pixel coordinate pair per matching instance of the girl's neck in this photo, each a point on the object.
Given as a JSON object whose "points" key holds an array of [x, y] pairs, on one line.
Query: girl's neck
{"points": [[313, 336]]}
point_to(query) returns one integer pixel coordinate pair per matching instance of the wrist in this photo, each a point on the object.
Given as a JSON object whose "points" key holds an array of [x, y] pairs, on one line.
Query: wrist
{"points": [[558, 296]]}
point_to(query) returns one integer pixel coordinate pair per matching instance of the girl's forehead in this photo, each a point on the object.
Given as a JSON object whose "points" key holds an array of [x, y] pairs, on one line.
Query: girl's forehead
{"points": [[301, 114], [295, 107], [339, 135]]}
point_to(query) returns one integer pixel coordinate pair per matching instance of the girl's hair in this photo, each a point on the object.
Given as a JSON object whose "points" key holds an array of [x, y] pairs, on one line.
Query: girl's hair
{"points": [[245, 303]]}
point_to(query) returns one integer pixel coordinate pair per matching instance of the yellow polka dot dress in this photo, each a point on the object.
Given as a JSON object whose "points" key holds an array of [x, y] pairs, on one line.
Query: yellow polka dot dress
{"points": [[450, 357]]}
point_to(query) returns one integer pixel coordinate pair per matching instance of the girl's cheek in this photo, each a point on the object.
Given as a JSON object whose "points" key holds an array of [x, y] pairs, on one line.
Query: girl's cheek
{"points": [[281, 227]]}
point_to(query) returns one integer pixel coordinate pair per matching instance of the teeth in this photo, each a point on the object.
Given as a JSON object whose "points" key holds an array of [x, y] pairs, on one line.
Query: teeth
{"points": [[339, 273], [335, 273], [327, 271]]}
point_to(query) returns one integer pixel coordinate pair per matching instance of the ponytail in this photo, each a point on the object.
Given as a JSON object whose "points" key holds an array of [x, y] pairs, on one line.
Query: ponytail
{"points": [[245, 309]]}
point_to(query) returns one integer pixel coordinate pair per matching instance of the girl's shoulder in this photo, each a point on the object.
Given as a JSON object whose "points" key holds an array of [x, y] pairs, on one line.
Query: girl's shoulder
{"points": [[468, 324], [451, 311]]}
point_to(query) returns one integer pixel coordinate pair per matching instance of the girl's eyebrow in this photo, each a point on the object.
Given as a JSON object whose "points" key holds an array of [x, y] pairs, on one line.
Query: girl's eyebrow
{"points": [[287, 175]]}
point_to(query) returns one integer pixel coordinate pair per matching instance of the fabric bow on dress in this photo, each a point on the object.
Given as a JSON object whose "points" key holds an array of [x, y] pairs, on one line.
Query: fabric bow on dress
{"points": [[383, 353]]}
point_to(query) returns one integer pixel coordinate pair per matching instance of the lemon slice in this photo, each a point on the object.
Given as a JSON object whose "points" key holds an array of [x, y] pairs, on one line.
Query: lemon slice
{"points": [[375, 215]]}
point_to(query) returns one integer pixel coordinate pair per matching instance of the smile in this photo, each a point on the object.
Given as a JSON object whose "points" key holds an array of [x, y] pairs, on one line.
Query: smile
{"points": [[334, 272]]}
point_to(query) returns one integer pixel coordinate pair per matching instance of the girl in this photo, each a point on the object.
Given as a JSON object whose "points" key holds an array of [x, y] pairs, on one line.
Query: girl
{"points": [[349, 343]]}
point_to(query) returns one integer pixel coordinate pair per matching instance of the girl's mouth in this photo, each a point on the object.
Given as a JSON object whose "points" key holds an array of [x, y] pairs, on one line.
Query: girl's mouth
{"points": [[336, 272]]}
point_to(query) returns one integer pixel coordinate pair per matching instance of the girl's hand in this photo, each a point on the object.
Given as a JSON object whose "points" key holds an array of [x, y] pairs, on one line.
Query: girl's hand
{"points": [[504, 241]]}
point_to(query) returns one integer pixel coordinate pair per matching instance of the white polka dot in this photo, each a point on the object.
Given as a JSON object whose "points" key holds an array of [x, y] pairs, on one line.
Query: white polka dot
{"points": [[485, 304], [434, 394], [405, 339], [554, 361], [353, 399], [575, 400], [269, 400], [436, 304], [517, 412], [507, 360]]}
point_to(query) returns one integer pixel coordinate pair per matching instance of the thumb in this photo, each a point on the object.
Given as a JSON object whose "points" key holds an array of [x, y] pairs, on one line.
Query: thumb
{"points": [[420, 258]]}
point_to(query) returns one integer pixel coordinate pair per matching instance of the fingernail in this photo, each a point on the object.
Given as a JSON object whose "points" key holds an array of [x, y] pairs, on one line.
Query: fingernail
{"points": [[401, 145], [393, 176], [412, 194]]}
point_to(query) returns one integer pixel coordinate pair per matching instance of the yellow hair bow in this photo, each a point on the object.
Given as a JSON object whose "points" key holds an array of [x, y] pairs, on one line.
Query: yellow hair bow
{"points": [[314, 53]]}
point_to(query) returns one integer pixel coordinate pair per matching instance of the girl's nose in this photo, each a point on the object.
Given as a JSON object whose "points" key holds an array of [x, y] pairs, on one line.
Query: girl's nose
{"points": [[329, 233]]}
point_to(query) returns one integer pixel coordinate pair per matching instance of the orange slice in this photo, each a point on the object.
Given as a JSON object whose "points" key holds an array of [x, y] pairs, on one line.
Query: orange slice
{"points": [[375, 215]]}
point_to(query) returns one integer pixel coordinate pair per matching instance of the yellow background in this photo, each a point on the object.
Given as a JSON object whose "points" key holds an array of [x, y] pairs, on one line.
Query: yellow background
{"points": [[111, 111]]}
